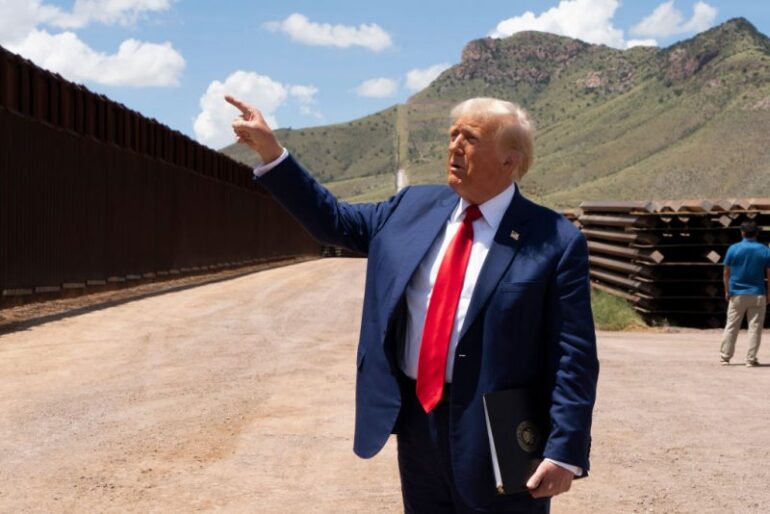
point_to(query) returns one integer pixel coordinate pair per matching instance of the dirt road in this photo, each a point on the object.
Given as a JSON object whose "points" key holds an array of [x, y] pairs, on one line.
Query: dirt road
{"points": [[238, 397]]}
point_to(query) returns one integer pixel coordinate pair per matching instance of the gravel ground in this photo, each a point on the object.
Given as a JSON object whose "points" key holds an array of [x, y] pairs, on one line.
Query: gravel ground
{"points": [[237, 396]]}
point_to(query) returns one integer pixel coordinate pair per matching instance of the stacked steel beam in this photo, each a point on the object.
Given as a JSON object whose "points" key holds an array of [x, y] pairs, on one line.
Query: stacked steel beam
{"points": [[666, 257]]}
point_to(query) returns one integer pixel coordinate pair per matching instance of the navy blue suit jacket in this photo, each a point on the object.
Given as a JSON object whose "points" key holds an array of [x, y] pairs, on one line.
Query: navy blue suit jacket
{"points": [[529, 322]]}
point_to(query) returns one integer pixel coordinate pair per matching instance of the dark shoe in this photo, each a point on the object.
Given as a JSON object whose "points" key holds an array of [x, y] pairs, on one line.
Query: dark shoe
{"points": [[752, 364], [724, 362]]}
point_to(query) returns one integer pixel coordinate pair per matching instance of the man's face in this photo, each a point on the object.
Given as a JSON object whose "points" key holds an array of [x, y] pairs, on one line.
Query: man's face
{"points": [[477, 168]]}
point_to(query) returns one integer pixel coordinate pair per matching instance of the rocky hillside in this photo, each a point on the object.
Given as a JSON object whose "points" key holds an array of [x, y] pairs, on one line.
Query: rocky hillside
{"points": [[690, 120]]}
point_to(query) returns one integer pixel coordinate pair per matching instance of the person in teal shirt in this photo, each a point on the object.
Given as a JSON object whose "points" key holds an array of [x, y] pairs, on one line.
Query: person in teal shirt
{"points": [[747, 265]]}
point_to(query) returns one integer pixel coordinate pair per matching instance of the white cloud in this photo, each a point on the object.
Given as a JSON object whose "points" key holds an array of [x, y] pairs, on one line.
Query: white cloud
{"points": [[592, 21], [418, 79], [108, 12], [663, 21], [666, 20], [703, 18], [19, 17], [588, 20], [377, 88], [305, 95], [135, 64], [302, 30], [641, 42], [212, 125]]}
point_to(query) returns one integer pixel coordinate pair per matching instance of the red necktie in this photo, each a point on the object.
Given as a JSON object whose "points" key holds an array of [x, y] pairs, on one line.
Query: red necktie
{"points": [[440, 318]]}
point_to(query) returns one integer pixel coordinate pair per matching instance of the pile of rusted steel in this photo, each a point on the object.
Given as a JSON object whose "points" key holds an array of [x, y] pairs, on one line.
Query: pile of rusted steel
{"points": [[665, 258]]}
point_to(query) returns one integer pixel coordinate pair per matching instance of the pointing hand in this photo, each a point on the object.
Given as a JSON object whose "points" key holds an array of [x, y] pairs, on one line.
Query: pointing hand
{"points": [[251, 129]]}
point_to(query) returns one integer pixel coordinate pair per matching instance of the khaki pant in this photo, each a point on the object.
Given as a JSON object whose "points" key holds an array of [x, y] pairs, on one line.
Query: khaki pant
{"points": [[752, 306]]}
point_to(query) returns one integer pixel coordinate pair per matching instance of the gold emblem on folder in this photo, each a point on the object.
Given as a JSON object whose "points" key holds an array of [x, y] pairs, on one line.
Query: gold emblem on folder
{"points": [[514, 235], [527, 436]]}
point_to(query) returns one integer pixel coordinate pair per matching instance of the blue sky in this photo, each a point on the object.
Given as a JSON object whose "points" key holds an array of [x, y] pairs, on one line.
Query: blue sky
{"points": [[308, 62]]}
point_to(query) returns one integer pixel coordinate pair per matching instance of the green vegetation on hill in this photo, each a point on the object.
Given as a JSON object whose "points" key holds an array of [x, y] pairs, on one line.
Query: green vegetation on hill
{"points": [[686, 121], [353, 159]]}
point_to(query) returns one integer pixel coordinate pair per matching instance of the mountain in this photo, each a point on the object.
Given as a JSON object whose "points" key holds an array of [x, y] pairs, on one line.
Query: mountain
{"points": [[690, 120]]}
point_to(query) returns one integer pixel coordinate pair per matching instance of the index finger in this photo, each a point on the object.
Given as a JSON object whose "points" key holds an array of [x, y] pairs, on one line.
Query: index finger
{"points": [[241, 106]]}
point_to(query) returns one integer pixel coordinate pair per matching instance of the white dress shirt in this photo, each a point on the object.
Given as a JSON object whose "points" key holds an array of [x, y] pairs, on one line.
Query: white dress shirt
{"points": [[419, 289], [267, 166]]}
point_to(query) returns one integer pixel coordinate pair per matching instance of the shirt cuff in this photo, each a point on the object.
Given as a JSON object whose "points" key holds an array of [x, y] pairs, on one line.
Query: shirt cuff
{"points": [[576, 470], [265, 167]]}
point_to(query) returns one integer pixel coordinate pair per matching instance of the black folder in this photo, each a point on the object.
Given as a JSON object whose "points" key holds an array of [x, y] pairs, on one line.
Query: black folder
{"points": [[516, 425]]}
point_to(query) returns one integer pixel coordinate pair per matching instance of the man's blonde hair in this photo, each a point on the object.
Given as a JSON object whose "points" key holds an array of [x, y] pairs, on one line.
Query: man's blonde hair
{"points": [[516, 130]]}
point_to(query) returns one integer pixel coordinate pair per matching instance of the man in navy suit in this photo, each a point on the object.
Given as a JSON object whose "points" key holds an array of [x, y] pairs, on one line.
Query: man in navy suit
{"points": [[470, 289]]}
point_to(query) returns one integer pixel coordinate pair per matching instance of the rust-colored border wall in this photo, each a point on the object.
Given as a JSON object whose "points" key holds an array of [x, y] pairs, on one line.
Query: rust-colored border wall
{"points": [[35, 93], [92, 193]]}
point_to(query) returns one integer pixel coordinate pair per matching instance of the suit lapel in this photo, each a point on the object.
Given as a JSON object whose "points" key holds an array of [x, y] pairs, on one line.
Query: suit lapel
{"points": [[416, 242], [511, 235]]}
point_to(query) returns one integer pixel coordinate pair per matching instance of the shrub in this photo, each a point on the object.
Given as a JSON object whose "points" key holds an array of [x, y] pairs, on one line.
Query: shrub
{"points": [[613, 313]]}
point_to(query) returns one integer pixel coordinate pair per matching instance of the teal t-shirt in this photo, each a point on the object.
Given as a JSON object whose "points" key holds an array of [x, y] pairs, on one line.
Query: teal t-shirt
{"points": [[748, 262]]}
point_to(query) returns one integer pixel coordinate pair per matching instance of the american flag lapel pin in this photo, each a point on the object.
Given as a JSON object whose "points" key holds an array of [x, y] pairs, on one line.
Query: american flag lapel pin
{"points": [[514, 235]]}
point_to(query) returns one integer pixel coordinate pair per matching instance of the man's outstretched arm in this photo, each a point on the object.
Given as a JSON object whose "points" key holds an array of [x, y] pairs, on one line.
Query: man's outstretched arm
{"points": [[326, 218]]}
